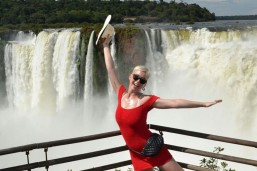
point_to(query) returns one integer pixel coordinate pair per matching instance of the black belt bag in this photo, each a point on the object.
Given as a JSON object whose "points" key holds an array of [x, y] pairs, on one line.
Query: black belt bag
{"points": [[153, 145]]}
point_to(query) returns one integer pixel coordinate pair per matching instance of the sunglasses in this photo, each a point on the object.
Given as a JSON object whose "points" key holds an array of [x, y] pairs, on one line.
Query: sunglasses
{"points": [[141, 80]]}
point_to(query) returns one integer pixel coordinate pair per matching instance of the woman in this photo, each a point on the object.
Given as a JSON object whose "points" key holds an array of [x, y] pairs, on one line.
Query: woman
{"points": [[131, 114]]}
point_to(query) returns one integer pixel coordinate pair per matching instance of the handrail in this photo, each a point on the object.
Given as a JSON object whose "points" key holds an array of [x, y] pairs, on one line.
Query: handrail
{"points": [[205, 136], [214, 155], [58, 143], [65, 159], [52, 162], [124, 163]]}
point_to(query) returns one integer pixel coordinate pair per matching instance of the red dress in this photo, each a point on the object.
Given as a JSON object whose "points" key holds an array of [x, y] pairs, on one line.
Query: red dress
{"points": [[133, 127]]}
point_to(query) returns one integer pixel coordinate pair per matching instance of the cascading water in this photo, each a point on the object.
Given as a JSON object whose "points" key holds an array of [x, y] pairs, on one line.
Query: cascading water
{"points": [[29, 37], [38, 72], [225, 59], [192, 64], [155, 60], [18, 57], [88, 90], [65, 71], [43, 93]]}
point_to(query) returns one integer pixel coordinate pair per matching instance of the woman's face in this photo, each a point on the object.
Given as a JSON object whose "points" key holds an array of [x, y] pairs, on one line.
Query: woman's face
{"points": [[137, 80]]}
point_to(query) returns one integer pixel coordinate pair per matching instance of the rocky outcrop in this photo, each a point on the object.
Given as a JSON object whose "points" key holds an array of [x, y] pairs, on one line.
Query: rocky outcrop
{"points": [[130, 45]]}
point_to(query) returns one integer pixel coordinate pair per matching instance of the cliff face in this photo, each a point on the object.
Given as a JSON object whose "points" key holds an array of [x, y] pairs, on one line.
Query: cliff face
{"points": [[130, 44], [3, 38]]}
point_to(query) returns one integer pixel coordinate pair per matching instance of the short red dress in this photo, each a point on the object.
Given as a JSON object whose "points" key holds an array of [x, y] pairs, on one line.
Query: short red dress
{"points": [[133, 127]]}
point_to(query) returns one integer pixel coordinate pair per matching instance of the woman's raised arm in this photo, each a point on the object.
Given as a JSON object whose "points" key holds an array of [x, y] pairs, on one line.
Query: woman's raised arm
{"points": [[110, 65]]}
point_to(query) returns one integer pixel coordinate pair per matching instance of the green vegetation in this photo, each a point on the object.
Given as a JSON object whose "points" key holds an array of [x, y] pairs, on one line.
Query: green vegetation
{"points": [[237, 17], [215, 164], [38, 14]]}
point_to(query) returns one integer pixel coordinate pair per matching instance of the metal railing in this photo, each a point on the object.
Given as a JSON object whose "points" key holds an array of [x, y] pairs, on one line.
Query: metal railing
{"points": [[47, 163]]}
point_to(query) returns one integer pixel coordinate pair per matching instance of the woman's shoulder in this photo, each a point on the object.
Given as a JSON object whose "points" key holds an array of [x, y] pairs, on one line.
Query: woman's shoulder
{"points": [[148, 97], [148, 101]]}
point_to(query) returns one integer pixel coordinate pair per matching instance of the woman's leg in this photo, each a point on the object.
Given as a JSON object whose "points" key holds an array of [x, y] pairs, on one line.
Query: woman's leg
{"points": [[172, 165], [149, 169]]}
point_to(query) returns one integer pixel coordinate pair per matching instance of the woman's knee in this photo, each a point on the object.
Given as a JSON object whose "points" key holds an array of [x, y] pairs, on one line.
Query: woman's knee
{"points": [[152, 169]]}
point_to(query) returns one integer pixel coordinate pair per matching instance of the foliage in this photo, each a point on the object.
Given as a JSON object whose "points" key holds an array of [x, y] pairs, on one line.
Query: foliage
{"points": [[238, 17], [215, 164], [45, 13]]}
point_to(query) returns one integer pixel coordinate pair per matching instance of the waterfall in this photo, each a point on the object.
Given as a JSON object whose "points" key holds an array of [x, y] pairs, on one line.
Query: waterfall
{"points": [[42, 72], [43, 94], [18, 57], [88, 90], [155, 60], [65, 71], [25, 37], [225, 59], [150, 62]]}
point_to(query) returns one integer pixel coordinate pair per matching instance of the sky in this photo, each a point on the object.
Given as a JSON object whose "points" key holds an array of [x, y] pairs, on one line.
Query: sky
{"points": [[226, 7]]}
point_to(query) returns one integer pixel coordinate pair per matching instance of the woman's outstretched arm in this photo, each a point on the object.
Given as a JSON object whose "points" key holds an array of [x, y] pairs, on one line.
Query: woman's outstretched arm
{"points": [[182, 103], [110, 65]]}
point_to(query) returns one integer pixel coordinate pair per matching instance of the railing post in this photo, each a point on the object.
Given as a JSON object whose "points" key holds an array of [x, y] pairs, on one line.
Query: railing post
{"points": [[45, 150], [27, 154]]}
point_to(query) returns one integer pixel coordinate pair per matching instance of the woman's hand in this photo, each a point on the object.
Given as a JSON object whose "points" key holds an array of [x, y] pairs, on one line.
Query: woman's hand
{"points": [[107, 40], [208, 104]]}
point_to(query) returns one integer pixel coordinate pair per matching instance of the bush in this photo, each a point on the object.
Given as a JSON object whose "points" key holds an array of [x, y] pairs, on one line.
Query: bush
{"points": [[215, 164]]}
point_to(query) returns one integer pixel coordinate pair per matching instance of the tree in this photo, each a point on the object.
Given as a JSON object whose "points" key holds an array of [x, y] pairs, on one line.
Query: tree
{"points": [[94, 11]]}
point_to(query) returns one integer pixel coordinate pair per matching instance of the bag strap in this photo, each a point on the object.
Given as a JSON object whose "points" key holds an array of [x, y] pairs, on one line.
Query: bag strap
{"points": [[161, 133], [149, 126], [135, 151]]}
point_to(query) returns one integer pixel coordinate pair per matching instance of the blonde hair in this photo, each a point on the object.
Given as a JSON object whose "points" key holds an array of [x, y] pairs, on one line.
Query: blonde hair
{"points": [[143, 69]]}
